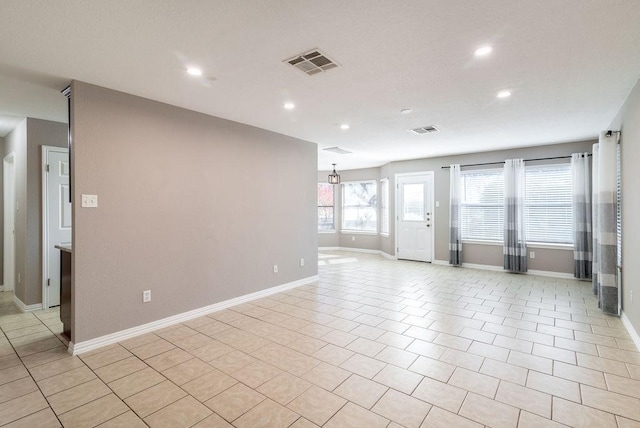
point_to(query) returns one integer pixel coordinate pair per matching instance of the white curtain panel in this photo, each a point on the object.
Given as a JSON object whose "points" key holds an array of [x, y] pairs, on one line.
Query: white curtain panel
{"points": [[605, 281], [455, 231], [515, 248], [581, 207]]}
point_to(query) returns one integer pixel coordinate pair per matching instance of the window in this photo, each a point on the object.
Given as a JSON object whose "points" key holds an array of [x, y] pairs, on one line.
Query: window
{"points": [[548, 210], [549, 215], [359, 206], [384, 206], [482, 204], [325, 207]]}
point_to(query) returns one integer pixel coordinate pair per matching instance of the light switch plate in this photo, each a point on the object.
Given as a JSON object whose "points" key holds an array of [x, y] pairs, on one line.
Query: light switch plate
{"points": [[89, 201]]}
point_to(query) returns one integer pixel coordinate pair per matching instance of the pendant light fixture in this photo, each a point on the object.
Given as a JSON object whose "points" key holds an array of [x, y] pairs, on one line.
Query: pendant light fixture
{"points": [[334, 177]]}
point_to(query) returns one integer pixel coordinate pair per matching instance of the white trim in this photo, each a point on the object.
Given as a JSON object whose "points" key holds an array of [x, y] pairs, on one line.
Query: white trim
{"points": [[359, 250], [529, 245], [88, 345], [482, 242], [632, 331], [388, 256], [546, 273], [551, 246], [358, 232], [326, 231], [26, 308], [45, 218]]}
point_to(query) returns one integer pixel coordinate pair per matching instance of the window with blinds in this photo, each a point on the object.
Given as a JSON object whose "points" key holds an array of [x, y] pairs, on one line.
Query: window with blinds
{"points": [[482, 205], [548, 204]]}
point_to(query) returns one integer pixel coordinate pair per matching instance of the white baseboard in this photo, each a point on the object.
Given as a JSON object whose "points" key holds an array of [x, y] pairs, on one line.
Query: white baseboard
{"points": [[26, 308], [551, 274], [632, 331], [119, 336], [359, 250]]}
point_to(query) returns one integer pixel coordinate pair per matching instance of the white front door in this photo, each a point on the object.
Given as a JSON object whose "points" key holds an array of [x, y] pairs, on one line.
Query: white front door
{"points": [[414, 216], [58, 218]]}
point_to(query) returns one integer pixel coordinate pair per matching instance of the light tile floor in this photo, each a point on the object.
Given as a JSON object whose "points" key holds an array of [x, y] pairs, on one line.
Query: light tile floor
{"points": [[375, 343]]}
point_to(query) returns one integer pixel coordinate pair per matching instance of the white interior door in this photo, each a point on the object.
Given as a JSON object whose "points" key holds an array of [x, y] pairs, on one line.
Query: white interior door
{"points": [[58, 219], [414, 216], [9, 200]]}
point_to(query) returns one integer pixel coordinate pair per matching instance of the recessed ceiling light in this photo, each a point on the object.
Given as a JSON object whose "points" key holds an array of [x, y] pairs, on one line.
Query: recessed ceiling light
{"points": [[406, 110], [504, 94], [484, 50], [194, 71], [344, 126], [289, 106]]}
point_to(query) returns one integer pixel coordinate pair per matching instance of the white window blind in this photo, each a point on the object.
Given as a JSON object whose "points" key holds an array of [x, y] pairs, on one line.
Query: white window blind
{"points": [[384, 206], [359, 206], [548, 204], [482, 205]]}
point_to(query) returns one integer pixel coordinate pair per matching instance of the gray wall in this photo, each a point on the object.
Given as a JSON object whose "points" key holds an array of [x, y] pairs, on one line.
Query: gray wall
{"points": [[16, 142], [195, 208], [26, 140], [628, 121], [554, 260], [39, 133], [1, 212]]}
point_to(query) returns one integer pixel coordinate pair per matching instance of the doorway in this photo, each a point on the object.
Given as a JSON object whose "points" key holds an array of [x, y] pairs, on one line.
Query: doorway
{"points": [[56, 219], [414, 216], [9, 200]]}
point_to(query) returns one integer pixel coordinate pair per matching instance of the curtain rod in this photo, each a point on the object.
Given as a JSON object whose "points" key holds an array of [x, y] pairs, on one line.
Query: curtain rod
{"points": [[501, 163]]}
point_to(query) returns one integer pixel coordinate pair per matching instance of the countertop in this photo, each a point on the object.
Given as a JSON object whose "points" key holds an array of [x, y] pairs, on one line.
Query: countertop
{"points": [[64, 247]]}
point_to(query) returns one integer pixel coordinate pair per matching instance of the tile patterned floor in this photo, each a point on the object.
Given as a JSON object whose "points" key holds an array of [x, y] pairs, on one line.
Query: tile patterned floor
{"points": [[375, 343]]}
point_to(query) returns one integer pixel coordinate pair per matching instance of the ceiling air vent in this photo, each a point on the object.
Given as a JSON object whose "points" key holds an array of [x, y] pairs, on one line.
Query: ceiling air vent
{"points": [[312, 62], [425, 130], [337, 150]]}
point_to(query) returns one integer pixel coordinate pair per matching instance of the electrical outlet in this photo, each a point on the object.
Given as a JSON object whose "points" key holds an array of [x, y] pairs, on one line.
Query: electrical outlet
{"points": [[532, 255], [437, 204], [89, 201], [275, 268], [301, 262], [630, 296], [146, 296], [353, 238]]}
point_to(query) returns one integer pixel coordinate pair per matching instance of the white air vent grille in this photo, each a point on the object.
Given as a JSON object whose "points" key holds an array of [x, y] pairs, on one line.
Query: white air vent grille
{"points": [[337, 150], [425, 130], [312, 62]]}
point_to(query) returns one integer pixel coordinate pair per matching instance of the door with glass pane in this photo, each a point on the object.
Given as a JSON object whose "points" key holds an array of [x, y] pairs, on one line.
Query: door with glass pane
{"points": [[414, 216]]}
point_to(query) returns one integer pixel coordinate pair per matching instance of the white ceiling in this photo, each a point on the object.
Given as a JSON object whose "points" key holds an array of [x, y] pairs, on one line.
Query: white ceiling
{"points": [[569, 63]]}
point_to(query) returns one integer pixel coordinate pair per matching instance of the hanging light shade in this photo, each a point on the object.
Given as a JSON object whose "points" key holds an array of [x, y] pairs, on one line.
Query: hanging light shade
{"points": [[334, 177]]}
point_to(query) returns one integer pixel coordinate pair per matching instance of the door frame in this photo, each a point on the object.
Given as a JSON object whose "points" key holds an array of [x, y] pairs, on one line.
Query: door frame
{"points": [[9, 201], [45, 219], [430, 207]]}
